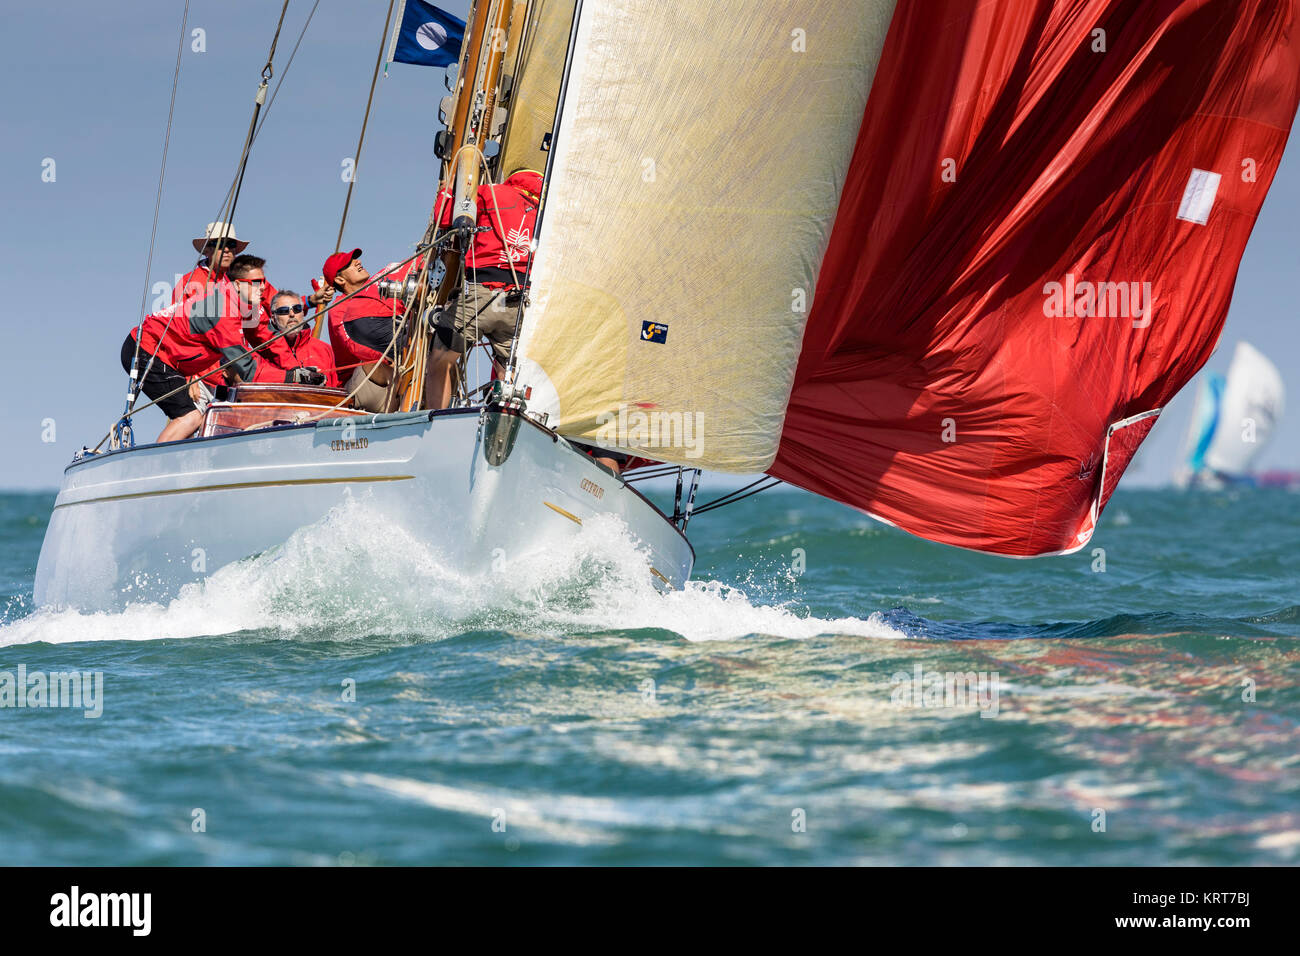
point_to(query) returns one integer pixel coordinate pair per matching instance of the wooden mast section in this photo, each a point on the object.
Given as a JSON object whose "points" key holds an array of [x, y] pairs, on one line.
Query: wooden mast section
{"points": [[470, 126]]}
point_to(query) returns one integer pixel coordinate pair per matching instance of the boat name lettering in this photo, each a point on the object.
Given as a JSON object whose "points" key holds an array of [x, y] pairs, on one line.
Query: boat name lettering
{"points": [[590, 486], [349, 444]]}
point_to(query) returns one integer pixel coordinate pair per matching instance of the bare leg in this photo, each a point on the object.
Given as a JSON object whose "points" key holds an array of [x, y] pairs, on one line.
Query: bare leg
{"points": [[183, 427], [611, 464], [437, 386]]}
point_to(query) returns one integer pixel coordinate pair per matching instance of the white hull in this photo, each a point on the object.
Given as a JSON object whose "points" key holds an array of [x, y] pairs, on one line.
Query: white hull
{"points": [[138, 525]]}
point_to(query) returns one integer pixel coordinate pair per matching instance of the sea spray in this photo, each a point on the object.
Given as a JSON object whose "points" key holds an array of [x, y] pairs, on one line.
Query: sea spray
{"points": [[356, 573]]}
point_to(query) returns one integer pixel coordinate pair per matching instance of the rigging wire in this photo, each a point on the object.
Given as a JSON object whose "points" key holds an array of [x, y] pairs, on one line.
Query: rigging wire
{"points": [[266, 112], [356, 163], [232, 194], [640, 475], [280, 82], [732, 497], [133, 388], [267, 72]]}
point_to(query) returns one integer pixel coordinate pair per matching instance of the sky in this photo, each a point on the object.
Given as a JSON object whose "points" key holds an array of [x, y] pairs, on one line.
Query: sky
{"points": [[89, 89]]}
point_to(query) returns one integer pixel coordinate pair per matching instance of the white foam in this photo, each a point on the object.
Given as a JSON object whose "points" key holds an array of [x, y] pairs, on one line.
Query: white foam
{"points": [[355, 574]]}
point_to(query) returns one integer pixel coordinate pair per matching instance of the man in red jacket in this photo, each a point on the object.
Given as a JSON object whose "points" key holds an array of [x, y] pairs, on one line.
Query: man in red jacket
{"points": [[218, 247], [213, 264], [187, 340], [362, 330], [304, 349], [487, 304]]}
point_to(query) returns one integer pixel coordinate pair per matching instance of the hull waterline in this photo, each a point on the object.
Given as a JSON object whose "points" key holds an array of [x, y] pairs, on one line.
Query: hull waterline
{"points": [[140, 524]]}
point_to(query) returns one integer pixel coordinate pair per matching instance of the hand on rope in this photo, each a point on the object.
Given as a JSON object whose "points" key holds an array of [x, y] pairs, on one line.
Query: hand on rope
{"points": [[306, 375]]}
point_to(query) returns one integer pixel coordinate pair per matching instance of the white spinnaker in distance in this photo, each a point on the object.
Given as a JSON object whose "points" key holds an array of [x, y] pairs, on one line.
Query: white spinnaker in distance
{"points": [[1252, 404], [699, 160]]}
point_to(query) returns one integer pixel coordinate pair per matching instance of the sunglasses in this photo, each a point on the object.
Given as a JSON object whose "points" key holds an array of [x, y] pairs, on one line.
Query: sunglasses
{"points": [[260, 280], [287, 310]]}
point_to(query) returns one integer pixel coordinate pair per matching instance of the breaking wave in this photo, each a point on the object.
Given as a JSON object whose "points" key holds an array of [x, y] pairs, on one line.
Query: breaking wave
{"points": [[356, 574]]}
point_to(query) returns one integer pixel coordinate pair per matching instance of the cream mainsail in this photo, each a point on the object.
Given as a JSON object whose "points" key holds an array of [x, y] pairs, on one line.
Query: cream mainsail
{"points": [[538, 71], [699, 159]]}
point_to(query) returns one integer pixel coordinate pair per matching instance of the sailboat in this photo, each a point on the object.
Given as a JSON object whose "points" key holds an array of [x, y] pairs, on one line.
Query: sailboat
{"points": [[948, 277], [1233, 421]]}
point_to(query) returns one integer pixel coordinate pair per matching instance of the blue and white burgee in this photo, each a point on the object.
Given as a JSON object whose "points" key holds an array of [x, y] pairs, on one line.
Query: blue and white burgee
{"points": [[426, 35]]}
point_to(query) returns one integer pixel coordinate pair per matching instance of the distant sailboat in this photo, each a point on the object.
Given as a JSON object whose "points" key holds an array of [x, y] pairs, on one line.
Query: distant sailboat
{"points": [[1233, 421]]}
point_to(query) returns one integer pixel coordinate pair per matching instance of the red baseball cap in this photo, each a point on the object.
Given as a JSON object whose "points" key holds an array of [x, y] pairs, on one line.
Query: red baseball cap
{"points": [[337, 263]]}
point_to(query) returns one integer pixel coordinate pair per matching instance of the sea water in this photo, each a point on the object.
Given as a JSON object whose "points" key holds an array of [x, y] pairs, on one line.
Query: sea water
{"points": [[826, 690]]}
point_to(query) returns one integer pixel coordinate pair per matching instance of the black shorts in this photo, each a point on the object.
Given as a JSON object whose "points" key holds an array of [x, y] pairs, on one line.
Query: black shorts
{"points": [[161, 379]]}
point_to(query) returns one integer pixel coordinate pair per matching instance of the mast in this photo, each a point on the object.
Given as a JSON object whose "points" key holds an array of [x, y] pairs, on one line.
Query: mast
{"points": [[474, 112], [469, 128], [475, 97]]}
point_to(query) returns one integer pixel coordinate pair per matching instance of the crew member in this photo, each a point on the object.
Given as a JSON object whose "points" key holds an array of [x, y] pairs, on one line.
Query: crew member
{"points": [[218, 247], [190, 338], [362, 330], [289, 314], [487, 304]]}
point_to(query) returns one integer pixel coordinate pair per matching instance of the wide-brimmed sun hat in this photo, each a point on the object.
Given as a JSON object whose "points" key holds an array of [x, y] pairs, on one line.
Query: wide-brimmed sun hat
{"points": [[220, 230]]}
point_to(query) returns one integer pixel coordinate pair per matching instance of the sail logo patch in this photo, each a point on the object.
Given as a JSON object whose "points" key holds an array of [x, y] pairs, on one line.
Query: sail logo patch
{"points": [[1198, 196], [654, 332]]}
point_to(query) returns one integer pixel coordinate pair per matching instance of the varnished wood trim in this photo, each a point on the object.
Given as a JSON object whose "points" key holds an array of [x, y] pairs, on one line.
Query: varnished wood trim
{"points": [[568, 514]]}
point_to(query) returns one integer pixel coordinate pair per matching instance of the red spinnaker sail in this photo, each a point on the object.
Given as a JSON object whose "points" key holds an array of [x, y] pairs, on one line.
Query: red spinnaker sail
{"points": [[964, 373]]}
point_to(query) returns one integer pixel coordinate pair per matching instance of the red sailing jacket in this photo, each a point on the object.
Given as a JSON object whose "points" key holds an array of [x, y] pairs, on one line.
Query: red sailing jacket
{"points": [[510, 213], [304, 348], [203, 331], [360, 324], [198, 279]]}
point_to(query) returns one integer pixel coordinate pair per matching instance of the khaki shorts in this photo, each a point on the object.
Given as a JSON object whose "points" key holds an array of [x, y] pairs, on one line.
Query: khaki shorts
{"points": [[478, 312], [371, 397]]}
